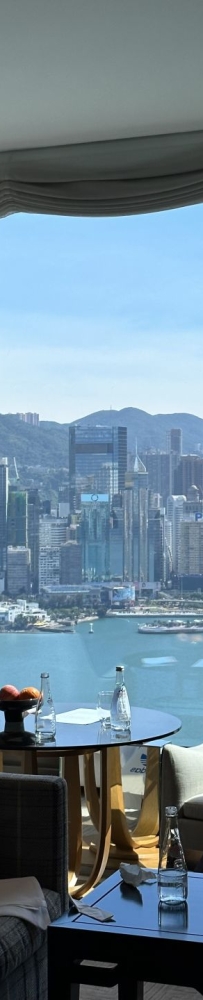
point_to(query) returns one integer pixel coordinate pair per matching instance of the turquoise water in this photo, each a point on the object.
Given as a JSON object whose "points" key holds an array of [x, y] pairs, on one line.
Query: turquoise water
{"points": [[162, 671]]}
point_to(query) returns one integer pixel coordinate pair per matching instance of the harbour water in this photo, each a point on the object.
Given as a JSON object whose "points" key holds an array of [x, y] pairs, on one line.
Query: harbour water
{"points": [[161, 671]]}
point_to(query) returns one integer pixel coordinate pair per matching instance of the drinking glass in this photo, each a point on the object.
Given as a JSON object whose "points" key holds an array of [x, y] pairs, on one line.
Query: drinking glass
{"points": [[104, 704]]}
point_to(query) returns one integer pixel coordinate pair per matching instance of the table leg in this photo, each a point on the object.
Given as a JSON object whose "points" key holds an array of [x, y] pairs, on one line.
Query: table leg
{"points": [[145, 833], [104, 840], [125, 989], [90, 788], [120, 833], [146, 830], [72, 775], [29, 762], [25, 760], [57, 975]]}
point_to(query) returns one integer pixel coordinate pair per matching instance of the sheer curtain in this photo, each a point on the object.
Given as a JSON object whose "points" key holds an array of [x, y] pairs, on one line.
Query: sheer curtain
{"points": [[118, 177]]}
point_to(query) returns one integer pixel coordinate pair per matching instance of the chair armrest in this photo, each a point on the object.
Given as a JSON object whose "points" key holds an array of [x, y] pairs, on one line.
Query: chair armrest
{"points": [[33, 830]]}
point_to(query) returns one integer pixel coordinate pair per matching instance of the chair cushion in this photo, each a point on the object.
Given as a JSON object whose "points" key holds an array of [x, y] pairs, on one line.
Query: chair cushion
{"points": [[20, 939], [181, 779], [181, 774], [193, 809]]}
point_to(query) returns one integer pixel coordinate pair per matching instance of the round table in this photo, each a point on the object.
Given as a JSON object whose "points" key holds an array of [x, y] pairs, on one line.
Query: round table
{"points": [[146, 725], [106, 810]]}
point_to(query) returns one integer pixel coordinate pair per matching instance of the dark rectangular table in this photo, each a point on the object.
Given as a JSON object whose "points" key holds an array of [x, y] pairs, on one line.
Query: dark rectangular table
{"points": [[141, 950]]}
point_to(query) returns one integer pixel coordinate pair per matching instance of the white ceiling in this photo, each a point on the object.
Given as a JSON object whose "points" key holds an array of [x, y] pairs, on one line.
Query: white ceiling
{"points": [[82, 70]]}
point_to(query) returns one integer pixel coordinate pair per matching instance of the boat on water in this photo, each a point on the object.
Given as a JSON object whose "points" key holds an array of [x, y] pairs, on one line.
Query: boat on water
{"points": [[172, 627], [91, 630]]}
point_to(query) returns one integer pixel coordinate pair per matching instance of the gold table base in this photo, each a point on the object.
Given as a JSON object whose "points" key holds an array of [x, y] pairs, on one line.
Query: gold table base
{"points": [[106, 809]]}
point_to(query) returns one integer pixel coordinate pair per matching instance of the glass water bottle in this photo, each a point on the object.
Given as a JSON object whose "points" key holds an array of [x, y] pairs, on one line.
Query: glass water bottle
{"points": [[120, 705], [45, 718], [172, 870]]}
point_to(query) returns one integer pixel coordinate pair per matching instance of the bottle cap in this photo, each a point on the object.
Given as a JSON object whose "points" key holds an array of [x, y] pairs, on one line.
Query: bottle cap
{"points": [[120, 668], [171, 811]]}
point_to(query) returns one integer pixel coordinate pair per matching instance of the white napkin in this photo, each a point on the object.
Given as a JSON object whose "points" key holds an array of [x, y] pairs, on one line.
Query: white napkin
{"points": [[91, 911], [23, 897], [136, 874], [81, 716]]}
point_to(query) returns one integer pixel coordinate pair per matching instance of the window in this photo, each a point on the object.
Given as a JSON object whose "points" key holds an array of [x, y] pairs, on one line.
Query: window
{"points": [[101, 456]]}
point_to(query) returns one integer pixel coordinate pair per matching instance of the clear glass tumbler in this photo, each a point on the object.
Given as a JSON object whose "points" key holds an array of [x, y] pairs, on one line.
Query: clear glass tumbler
{"points": [[104, 705], [45, 718]]}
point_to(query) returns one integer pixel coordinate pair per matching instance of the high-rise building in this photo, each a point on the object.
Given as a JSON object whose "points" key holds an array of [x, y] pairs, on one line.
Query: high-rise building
{"points": [[3, 512], [45, 507], [175, 514], [190, 559], [156, 545], [49, 566], [29, 418], [175, 441], [52, 534], [52, 531], [175, 450], [159, 467], [135, 508], [63, 507], [97, 460], [17, 518], [189, 473], [193, 503], [116, 538], [168, 548], [33, 536], [18, 570], [95, 529], [71, 563]]}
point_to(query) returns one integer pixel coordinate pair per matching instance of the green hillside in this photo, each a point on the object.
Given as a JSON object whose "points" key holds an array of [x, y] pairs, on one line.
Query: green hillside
{"points": [[47, 444]]}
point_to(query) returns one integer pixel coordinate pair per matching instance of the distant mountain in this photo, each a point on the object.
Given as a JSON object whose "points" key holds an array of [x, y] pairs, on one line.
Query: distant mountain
{"points": [[151, 431], [47, 444]]}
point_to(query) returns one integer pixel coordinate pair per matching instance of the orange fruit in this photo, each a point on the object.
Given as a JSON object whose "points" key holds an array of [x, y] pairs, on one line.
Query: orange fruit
{"points": [[28, 692]]}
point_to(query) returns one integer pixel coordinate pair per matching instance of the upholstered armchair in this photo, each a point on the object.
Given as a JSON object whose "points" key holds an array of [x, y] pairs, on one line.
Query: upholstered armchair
{"points": [[33, 841], [182, 785]]}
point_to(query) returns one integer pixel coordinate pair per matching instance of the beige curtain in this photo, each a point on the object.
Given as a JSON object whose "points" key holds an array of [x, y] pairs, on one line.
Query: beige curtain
{"points": [[120, 177]]}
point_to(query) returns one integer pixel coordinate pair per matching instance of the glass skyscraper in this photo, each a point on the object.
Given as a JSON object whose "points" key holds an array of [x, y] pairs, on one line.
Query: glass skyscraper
{"points": [[97, 461], [17, 524], [135, 500], [95, 528]]}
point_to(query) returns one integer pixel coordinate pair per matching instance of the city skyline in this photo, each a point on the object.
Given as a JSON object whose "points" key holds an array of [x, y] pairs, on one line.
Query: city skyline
{"points": [[101, 313]]}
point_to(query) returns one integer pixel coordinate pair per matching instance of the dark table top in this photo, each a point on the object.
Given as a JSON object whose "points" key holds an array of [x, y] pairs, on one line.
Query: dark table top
{"points": [[165, 952], [146, 725]]}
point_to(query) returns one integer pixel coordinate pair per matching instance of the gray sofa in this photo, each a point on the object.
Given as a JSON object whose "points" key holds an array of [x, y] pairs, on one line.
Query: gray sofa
{"points": [[33, 841], [182, 785]]}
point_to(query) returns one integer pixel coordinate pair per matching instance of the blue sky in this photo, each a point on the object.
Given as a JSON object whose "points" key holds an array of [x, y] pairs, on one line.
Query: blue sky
{"points": [[101, 312]]}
